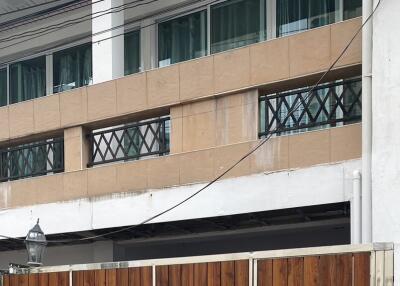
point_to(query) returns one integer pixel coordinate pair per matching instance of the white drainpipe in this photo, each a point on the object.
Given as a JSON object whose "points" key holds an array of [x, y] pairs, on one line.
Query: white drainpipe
{"points": [[356, 209], [366, 198]]}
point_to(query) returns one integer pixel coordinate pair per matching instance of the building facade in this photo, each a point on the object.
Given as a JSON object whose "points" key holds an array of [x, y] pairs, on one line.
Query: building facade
{"points": [[114, 111]]}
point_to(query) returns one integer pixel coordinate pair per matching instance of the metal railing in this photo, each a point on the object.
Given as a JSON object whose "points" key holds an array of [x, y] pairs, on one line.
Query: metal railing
{"points": [[129, 142], [329, 105], [33, 159]]}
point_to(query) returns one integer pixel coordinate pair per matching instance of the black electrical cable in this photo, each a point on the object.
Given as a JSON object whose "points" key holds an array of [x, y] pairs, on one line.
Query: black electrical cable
{"points": [[30, 7], [261, 143], [45, 14]]}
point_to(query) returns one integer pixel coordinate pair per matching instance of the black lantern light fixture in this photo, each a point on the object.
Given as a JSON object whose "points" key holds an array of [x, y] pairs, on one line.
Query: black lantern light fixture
{"points": [[35, 242]]}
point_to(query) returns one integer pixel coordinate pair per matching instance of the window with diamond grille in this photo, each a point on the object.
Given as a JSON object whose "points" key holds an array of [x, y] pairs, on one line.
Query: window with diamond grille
{"points": [[129, 142], [329, 105], [33, 159]]}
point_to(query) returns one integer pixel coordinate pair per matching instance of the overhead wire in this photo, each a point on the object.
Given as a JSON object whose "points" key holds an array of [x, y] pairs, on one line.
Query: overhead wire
{"points": [[245, 156], [31, 7]]}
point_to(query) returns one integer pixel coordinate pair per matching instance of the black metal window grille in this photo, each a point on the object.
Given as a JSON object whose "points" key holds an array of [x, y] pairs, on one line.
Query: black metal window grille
{"points": [[33, 159], [130, 142], [329, 105]]}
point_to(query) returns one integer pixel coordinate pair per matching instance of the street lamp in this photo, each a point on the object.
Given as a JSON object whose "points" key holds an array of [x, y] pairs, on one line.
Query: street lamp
{"points": [[35, 243]]}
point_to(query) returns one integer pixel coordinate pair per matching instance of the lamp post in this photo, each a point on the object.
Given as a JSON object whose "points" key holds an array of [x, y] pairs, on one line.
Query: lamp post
{"points": [[35, 243]]}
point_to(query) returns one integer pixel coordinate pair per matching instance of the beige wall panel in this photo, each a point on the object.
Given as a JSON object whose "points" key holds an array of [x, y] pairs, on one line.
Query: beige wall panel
{"points": [[345, 142], [102, 180], [176, 133], [49, 188], [341, 34], [199, 131], [4, 130], [75, 144], [309, 52], [272, 156], [237, 118], [163, 172], [47, 113], [131, 93], [196, 166], [232, 70], [102, 100], [132, 176], [22, 193], [5, 191], [196, 78], [227, 156], [309, 148], [73, 107], [21, 118], [75, 185], [163, 86], [269, 61]]}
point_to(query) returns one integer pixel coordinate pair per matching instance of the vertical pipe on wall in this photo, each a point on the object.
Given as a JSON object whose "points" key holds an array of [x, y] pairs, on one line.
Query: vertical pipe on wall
{"points": [[356, 209], [367, 123]]}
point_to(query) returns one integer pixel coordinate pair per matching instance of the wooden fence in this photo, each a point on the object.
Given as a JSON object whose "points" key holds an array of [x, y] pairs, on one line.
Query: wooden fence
{"points": [[307, 267]]}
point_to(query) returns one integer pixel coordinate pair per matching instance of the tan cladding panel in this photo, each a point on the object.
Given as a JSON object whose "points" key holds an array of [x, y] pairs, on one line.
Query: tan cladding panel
{"points": [[280, 153], [257, 65]]}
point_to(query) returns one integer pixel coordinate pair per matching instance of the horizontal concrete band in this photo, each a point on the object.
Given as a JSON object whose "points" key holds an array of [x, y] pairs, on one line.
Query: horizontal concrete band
{"points": [[280, 153], [322, 184], [257, 65]]}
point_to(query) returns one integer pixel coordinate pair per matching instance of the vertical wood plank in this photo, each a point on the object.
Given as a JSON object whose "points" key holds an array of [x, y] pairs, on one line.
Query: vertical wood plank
{"points": [[6, 280], [361, 269], [63, 278], [187, 274], [14, 280], [146, 276], [134, 276], [43, 279], [280, 272], [214, 274], [53, 279], [311, 270], [327, 270], [242, 273], [227, 273], [33, 280], [344, 269], [122, 277], [77, 278], [162, 275], [174, 275], [264, 272], [111, 277], [389, 268], [200, 274], [295, 271], [92, 278]]}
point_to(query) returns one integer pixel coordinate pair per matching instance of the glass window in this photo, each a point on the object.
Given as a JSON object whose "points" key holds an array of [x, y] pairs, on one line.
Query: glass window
{"points": [[182, 39], [352, 9], [237, 23], [72, 68], [299, 15], [3, 87], [28, 79], [132, 52]]}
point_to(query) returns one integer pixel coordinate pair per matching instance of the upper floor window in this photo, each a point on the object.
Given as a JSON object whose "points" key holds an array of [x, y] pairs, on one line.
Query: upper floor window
{"points": [[72, 68], [352, 9], [293, 16], [28, 79], [237, 23], [182, 39], [3, 87], [132, 52]]}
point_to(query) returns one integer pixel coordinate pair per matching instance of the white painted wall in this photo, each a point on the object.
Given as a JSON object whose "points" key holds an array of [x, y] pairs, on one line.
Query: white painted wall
{"points": [[261, 192], [59, 255], [386, 118]]}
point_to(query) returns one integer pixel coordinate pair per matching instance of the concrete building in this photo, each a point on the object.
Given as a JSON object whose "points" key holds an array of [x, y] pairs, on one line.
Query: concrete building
{"points": [[113, 111]]}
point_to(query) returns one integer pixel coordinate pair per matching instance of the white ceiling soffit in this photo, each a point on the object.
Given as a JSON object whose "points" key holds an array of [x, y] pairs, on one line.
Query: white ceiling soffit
{"points": [[9, 8]]}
